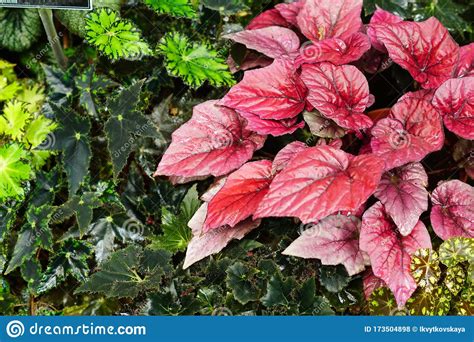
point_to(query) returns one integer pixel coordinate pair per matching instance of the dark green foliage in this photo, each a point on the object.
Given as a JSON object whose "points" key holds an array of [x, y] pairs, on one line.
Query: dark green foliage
{"points": [[21, 28]]}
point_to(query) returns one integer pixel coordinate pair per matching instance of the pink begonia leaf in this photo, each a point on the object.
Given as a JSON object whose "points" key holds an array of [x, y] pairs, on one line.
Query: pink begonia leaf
{"points": [[321, 126], [251, 60], [335, 50], [321, 19], [336, 143], [290, 11], [465, 66], [403, 193], [454, 100], [214, 142], [272, 41], [380, 17], [423, 94], [204, 244], [268, 18], [334, 240], [412, 130], [425, 49], [182, 180], [340, 93], [272, 127], [240, 196], [390, 252], [371, 283], [320, 181], [274, 92], [453, 210], [286, 154]]}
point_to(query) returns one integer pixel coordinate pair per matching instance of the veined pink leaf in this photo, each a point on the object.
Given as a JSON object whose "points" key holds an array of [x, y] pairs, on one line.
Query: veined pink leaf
{"points": [[214, 142], [240, 196], [411, 131], [274, 92], [403, 193], [286, 154], [290, 11], [268, 18], [425, 49], [272, 127], [380, 17], [320, 181], [455, 101], [453, 210], [321, 19], [336, 143], [204, 244], [334, 240], [371, 283], [335, 50], [390, 252], [465, 66], [273, 41], [340, 93]]}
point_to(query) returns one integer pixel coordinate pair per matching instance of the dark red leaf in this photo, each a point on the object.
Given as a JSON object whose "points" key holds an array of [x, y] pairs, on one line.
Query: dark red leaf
{"points": [[320, 181], [340, 93], [268, 18], [272, 127], [425, 49], [455, 102], [465, 66], [335, 50], [214, 142], [453, 210], [380, 17], [240, 196], [411, 131], [390, 252], [321, 19], [274, 92], [273, 41], [334, 240], [403, 193]]}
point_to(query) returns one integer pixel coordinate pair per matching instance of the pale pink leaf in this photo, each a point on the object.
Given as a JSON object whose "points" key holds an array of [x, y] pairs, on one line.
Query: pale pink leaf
{"points": [[320, 181], [286, 154], [290, 11], [453, 210], [214, 142], [403, 193], [465, 66], [390, 252], [334, 240]]}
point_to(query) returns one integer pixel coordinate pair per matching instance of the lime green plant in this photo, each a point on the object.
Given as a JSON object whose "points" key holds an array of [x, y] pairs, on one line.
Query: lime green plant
{"points": [[175, 8]]}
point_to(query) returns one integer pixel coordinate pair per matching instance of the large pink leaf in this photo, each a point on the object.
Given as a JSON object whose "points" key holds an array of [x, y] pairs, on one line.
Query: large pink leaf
{"points": [[465, 66], [380, 17], [274, 92], [340, 93], [455, 101], [272, 127], [286, 154], [453, 210], [268, 18], [321, 19], [273, 41], [290, 11], [334, 240], [371, 283], [411, 131], [240, 196], [214, 142], [335, 50], [425, 49], [390, 252], [204, 244], [403, 193], [320, 181]]}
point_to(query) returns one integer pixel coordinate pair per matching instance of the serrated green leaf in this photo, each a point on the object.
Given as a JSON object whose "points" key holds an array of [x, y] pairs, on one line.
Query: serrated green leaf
{"points": [[128, 272], [194, 63], [126, 125], [225, 7], [70, 259], [279, 291], [115, 37], [334, 278], [13, 171], [175, 8], [72, 138], [239, 281], [14, 119]]}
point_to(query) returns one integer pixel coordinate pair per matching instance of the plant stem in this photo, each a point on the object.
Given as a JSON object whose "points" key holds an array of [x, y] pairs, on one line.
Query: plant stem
{"points": [[46, 16]]}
